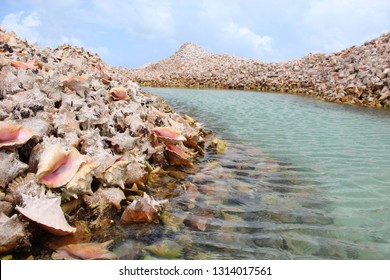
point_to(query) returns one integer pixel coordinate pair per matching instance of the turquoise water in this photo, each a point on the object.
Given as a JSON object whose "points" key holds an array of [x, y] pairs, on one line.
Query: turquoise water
{"points": [[302, 178]]}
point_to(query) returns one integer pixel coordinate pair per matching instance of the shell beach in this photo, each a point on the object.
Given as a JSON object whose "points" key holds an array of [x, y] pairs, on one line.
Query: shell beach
{"points": [[83, 150]]}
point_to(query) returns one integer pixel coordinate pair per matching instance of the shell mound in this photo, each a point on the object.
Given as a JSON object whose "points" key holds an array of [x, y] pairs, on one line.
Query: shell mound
{"points": [[80, 137], [357, 75]]}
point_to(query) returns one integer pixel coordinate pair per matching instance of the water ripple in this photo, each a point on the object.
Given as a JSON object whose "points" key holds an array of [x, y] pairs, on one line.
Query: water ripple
{"points": [[301, 178]]}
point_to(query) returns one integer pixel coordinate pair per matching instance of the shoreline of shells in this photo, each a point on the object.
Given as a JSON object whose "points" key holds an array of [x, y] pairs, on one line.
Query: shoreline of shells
{"points": [[81, 146], [357, 75]]}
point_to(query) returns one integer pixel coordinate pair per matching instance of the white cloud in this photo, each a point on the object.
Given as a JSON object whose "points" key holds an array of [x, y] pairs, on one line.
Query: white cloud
{"points": [[145, 18], [260, 44], [24, 26], [335, 24]]}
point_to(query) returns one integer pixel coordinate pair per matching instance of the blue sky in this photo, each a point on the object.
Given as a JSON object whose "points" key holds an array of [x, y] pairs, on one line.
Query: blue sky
{"points": [[131, 33]]}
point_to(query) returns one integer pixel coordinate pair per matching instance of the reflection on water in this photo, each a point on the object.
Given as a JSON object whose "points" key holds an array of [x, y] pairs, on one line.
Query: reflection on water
{"points": [[300, 179]]}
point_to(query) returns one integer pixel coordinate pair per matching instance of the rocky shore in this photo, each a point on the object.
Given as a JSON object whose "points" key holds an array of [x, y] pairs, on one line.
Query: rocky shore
{"points": [[82, 151], [357, 75]]}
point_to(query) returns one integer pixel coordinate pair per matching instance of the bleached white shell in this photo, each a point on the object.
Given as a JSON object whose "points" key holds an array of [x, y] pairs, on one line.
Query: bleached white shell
{"points": [[47, 213], [81, 182]]}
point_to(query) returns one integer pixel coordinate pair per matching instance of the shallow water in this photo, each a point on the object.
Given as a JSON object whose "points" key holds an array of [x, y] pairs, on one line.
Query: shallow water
{"points": [[301, 178]]}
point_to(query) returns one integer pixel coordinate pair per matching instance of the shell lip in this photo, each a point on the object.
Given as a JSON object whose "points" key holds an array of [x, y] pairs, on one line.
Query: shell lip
{"points": [[12, 134], [57, 170], [168, 135]]}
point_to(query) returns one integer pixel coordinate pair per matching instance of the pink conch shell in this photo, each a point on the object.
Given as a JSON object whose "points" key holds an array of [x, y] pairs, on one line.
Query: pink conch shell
{"points": [[119, 93], [47, 213], [142, 210], [12, 134], [168, 135], [23, 65], [85, 251], [57, 167], [75, 82], [176, 156]]}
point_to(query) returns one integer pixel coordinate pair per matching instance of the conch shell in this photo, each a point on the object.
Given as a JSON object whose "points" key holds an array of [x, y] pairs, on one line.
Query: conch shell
{"points": [[12, 134], [85, 251], [81, 182], [10, 168], [110, 196], [57, 167], [119, 93], [47, 213], [13, 234], [168, 135], [23, 65], [75, 82], [142, 210], [116, 174], [176, 156]]}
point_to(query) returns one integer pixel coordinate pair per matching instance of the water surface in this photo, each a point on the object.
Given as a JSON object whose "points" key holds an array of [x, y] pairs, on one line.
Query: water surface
{"points": [[301, 178]]}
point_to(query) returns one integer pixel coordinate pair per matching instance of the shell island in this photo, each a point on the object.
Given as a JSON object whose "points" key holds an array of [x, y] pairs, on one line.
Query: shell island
{"points": [[87, 156], [83, 151]]}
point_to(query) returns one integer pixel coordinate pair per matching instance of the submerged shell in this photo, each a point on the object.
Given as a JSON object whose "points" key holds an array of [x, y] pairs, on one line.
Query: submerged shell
{"points": [[168, 135], [57, 167], [47, 213], [85, 251], [167, 249], [119, 93], [142, 210], [218, 146], [12, 134]]}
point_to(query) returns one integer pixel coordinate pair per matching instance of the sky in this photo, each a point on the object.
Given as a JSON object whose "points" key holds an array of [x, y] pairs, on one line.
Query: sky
{"points": [[131, 33]]}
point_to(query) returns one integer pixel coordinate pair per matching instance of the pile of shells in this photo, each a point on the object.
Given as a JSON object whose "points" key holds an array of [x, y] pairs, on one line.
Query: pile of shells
{"points": [[357, 75], [78, 142]]}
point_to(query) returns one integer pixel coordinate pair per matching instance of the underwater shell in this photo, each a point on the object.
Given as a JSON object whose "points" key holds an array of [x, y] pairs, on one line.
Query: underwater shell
{"points": [[142, 210], [197, 222], [12, 234], [166, 249], [176, 156], [85, 251], [81, 181], [47, 213], [57, 167], [12, 134], [119, 93], [168, 135], [218, 145]]}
